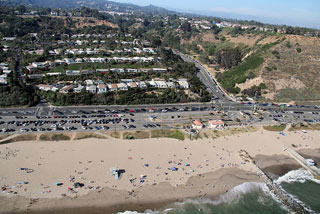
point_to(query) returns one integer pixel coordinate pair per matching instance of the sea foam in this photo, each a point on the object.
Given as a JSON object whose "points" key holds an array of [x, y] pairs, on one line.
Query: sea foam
{"points": [[231, 195], [227, 197], [135, 212], [299, 175]]}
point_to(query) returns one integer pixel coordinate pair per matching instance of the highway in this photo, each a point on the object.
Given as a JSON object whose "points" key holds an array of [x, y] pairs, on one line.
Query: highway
{"points": [[46, 110], [86, 118], [206, 78]]}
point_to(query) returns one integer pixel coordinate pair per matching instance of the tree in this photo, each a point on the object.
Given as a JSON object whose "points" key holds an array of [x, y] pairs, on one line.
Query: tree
{"points": [[156, 42], [290, 30], [229, 57], [22, 9], [186, 27]]}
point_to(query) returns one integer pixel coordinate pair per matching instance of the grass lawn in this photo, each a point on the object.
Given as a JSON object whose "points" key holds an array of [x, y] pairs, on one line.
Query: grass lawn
{"points": [[275, 128], [83, 135], [167, 133], [54, 137]]}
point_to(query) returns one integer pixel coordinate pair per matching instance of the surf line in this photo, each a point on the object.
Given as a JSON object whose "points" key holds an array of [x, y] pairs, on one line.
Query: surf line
{"points": [[283, 196]]}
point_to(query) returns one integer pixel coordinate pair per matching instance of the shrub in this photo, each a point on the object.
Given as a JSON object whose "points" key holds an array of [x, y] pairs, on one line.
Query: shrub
{"points": [[299, 50], [288, 44], [268, 69]]}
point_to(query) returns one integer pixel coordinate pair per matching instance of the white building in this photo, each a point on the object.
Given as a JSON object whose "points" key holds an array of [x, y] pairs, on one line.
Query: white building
{"points": [[39, 64], [122, 86], [142, 84], [44, 87], [161, 84], [159, 70], [196, 124], [215, 124], [69, 61], [73, 72], [112, 87], [183, 83], [102, 88], [132, 85], [89, 82], [78, 89], [91, 89]]}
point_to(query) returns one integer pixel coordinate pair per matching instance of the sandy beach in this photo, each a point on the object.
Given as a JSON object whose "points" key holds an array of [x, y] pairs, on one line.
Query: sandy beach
{"points": [[205, 168]]}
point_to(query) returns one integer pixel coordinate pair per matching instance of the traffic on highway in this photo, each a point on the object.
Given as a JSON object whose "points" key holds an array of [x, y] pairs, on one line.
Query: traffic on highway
{"points": [[95, 118]]}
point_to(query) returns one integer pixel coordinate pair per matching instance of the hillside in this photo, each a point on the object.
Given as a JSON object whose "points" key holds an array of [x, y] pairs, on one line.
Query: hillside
{"points": [[291, 71], [95, 4], [286, 66]]}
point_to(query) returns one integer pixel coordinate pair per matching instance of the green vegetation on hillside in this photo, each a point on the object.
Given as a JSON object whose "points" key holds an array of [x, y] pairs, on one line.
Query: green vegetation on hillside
{"points": [[238, 74]]}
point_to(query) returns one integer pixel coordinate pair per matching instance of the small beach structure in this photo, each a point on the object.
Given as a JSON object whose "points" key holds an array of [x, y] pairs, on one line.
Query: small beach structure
{"points": [[196, 124], [215, 124], [115, 172]]}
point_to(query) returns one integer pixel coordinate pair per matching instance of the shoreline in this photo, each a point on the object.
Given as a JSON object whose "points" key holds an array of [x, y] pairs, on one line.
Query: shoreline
{"points": [[206, 168], [208, 185]]}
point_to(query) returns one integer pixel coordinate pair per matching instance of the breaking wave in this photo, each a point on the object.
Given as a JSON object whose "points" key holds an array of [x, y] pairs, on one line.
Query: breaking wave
{"points": [[299, 175], [227, 198]]}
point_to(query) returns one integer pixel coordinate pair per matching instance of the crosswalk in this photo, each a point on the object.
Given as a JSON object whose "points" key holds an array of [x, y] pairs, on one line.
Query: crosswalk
{"points": [[44, 111]]}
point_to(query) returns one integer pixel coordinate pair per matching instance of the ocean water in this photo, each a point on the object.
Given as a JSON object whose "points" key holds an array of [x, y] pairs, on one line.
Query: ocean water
{"points": [[252, 198], [301, 184], [247, 198]]}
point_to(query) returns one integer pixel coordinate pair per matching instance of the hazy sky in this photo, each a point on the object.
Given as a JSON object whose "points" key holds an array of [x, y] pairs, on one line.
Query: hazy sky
{"points": [[291, 12]]}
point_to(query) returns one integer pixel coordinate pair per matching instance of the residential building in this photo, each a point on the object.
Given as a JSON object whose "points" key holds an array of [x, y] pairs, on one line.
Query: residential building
{"points": [[73, 72], [66, 89], [131, 70], [91, 89], [112, 87], [171, 85], [69, 61], [159, 70], [102, 70], [89, 82], [132, 85], [102, 88], [161, 84], [3, 79], [127, 80], [122, 86], [79, 60], [183, 83], [152, 83], [78, 89], [36, 76], [142, 84], [44, 87], [38, 64]]}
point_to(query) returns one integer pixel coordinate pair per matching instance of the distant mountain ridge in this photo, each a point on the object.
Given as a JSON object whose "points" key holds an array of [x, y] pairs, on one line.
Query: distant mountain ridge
{"points": [[95, 4]]}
